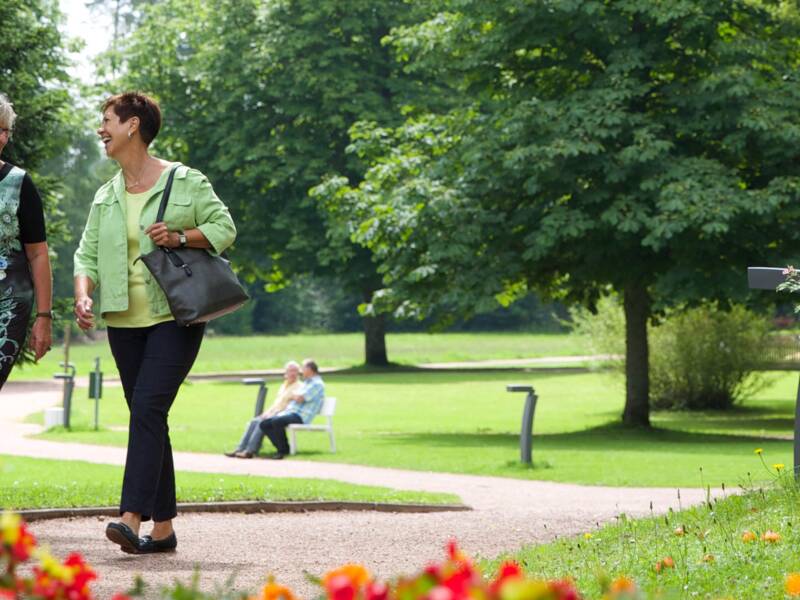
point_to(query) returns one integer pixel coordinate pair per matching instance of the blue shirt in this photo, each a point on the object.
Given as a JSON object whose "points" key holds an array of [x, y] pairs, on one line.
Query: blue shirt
{"points": [[313, 393]]}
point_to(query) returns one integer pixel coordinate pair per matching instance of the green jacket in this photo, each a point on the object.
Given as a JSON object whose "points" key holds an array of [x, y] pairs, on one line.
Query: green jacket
{"points": [[103, 251]]}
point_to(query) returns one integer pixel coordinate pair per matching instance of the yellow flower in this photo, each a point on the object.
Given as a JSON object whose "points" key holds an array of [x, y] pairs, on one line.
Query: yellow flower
{"points": [[771, 536], [759, 451], [748, 536], [792, 584], [778, 466], [587, 536], [9, 527], [709, 558]]}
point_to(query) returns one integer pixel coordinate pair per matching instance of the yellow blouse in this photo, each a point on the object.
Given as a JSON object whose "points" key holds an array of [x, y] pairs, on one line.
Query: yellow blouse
{"points": [[138, 313]]}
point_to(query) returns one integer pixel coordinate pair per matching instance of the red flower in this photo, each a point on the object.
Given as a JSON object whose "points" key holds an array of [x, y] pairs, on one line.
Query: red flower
{"points": [[23, 547], [377, 591], [340, 587], [564, 589], [508, 570]]}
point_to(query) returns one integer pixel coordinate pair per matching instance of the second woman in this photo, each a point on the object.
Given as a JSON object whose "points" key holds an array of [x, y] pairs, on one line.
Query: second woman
{"points": [[152, 352]]}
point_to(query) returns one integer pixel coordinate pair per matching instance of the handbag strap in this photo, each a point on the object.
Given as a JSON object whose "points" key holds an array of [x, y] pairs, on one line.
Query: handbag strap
{"points": [[165, 194]]}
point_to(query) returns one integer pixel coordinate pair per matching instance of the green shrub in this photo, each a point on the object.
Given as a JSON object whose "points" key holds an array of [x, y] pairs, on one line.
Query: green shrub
{"points": [[700, 358], [706, 358]]}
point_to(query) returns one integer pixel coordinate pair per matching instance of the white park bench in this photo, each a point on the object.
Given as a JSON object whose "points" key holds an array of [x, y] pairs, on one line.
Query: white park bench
{"points": [[327, 410]]}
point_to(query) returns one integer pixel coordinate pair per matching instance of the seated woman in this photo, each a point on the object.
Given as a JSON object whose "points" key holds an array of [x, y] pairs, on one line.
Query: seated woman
{"points": [[250, 443]]}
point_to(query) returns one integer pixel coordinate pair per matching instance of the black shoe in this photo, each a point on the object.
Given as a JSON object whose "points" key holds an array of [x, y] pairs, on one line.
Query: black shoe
{"points": [[276, 456], [121, 534], [231, 454], [148, 545]]}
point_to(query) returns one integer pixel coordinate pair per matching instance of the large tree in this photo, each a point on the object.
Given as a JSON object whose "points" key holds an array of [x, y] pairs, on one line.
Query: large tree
{"points": [[260, 95], [652, 148], [32, 75]]}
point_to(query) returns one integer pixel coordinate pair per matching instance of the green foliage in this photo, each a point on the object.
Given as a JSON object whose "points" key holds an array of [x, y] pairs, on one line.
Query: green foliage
{"points": [[32, 61], [260, 96], [604, 329], [706, 358], [648, 146], [700, 358], [711, 560]]}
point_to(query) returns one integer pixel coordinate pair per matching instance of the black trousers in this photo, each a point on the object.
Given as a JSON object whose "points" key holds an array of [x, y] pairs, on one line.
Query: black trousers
{"points": [[152, 363], [275, 429]]}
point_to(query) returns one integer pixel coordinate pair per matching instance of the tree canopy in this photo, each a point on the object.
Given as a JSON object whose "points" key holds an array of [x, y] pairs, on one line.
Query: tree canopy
{"points": [[260, 96], [650, 148]]}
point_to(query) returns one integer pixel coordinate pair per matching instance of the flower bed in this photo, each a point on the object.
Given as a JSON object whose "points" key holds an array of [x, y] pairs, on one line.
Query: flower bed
{"points": [[455, 578]]}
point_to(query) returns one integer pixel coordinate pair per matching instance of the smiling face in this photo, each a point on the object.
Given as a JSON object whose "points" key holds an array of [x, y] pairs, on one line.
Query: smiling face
{"points": [[291, 373], [114, 133]]}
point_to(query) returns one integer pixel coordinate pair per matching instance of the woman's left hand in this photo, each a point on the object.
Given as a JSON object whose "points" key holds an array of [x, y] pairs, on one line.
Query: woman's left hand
{"points": [[162, 236], [41, 336]]}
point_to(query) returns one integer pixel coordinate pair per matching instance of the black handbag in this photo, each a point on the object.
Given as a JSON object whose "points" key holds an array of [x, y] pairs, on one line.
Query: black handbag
{"points": [[199, 286]]}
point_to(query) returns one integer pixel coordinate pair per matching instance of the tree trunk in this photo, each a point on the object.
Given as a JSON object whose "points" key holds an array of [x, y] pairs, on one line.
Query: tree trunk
{"points": [[637, 374], [375, 341]]}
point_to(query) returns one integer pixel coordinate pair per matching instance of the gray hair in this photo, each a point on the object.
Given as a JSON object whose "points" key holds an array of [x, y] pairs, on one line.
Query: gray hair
{"points": [[291, 363], [7, 114]]}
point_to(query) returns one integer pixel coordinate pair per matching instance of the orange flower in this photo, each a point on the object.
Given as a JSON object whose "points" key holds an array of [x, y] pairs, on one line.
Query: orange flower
{"points": [[356, 574], [664, 563], [748, 536], [273, 591], [679, 531], [792, 584], [771, 537], [622, 585], [709, 558]]}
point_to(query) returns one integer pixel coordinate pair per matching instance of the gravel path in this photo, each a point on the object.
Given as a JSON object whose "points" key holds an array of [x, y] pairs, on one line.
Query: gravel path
{"points": [[507, 514]]}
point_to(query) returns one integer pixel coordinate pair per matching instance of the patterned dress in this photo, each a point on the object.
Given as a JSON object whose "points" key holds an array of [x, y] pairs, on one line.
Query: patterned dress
{"points": [[16, 285]]}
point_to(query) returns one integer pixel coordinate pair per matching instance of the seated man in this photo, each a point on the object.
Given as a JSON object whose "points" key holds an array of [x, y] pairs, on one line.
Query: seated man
{"points": [[250, 443], [302, 408]]}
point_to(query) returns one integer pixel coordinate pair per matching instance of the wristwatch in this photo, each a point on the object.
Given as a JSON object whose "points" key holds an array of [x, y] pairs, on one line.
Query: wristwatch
{"points": [[182, 241]]}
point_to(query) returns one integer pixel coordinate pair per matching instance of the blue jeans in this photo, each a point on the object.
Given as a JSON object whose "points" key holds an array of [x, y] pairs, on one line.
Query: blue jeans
{"points": [[252, 438]]}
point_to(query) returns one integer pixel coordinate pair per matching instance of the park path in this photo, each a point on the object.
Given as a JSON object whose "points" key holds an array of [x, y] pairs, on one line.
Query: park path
{"points": [[507, 514]]}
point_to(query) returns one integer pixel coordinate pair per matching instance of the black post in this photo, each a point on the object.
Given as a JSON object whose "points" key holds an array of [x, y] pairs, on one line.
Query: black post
{"points": [[261, 397], [526, 429]]}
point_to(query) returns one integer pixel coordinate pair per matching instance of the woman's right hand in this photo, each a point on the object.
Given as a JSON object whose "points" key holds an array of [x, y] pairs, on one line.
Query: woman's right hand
{"points": [[83, 312]]}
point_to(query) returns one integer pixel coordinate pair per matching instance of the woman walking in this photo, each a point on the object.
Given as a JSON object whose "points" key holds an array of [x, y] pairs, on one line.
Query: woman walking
{"points": [[24, 260], [152, 352]]}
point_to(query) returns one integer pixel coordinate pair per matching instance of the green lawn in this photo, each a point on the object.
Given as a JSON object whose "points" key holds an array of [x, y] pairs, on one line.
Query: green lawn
{"points": [[710, 559], [468, 423], [220, 354], [38, 483]]}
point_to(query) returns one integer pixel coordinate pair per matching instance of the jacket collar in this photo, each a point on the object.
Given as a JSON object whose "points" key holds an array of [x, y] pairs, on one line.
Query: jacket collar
{"points": [[119, 183]]}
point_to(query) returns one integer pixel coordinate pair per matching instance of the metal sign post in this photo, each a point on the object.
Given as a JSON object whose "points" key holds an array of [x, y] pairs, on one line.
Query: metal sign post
{"points": [[769, 278], [262, 393], [96, 390], [68, 376], [526, 430]]}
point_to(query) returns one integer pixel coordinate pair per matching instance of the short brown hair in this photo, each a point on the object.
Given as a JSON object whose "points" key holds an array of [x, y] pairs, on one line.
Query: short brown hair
{"points": [[311, 364], [136, 104]]}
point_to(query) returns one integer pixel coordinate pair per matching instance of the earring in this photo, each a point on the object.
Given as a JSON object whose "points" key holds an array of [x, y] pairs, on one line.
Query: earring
{"points": [[130, 135]]}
